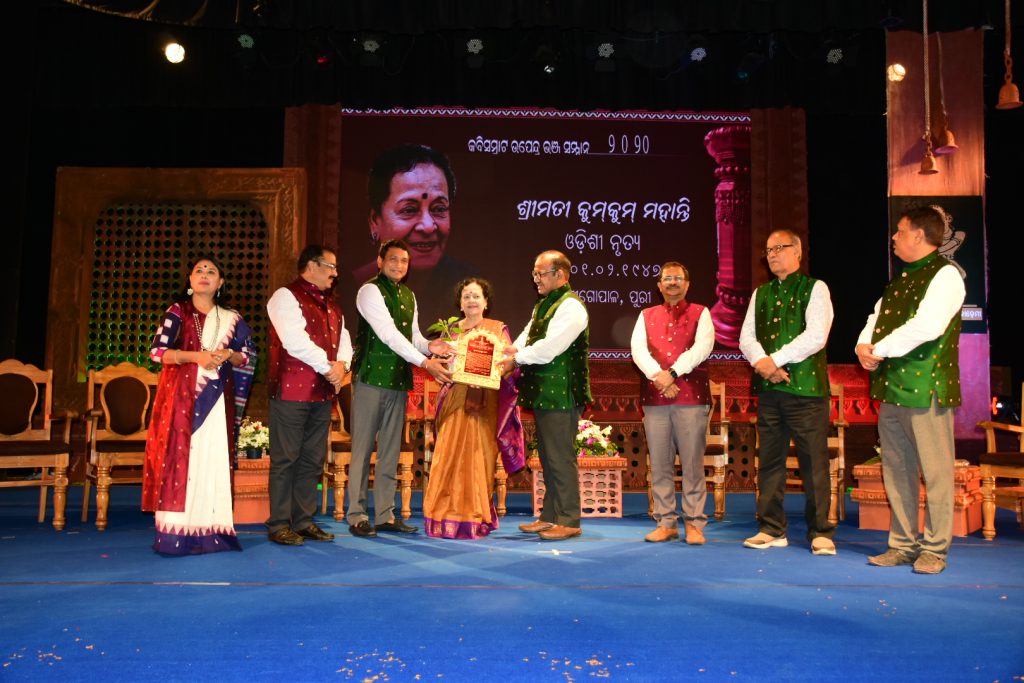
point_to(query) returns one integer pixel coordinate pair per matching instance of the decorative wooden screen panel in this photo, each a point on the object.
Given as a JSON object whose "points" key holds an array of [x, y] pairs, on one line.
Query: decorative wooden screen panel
{"points": [[140, 261]]}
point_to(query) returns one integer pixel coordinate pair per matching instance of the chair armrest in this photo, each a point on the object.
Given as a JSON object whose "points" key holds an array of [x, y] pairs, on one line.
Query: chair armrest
{"points": [[991, 428], [65, 416]]}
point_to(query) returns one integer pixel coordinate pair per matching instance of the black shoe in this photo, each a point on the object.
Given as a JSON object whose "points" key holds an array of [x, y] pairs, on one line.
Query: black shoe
{"points": [[362, 529], [285, 536], [315, 533], [397, 526]]}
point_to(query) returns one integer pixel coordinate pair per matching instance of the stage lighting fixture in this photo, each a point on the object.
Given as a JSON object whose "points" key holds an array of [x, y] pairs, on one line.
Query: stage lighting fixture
{"points": [[698, 54], [174, 52], [896, 72], [546, 56], [605, 50], [834, 55], [368, 56], [549, 69], [246, 41], [474, 46], [1005, 409]]}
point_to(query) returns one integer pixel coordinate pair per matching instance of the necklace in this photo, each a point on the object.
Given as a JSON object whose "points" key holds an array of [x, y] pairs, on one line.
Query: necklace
{"points": [[216, 328]]}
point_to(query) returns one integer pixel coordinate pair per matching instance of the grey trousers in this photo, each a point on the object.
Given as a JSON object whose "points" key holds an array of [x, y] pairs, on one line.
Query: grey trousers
{"points": [[298, 446], [556, 432], [378, 417], [682, 429], [916, 443]]}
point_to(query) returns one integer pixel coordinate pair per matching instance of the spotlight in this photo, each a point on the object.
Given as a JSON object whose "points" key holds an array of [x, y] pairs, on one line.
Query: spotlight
{"points": [[246, 41], [174, 52], [548, 69], [698, 54], [368, 56], [896, 72], [605, 50], [834, 56], [474, 60], [474, 46]]}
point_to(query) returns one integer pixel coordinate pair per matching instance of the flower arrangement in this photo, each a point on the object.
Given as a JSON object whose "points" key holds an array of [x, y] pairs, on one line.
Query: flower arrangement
{"points": [[446, 328], [252, 434], [594, 442]]}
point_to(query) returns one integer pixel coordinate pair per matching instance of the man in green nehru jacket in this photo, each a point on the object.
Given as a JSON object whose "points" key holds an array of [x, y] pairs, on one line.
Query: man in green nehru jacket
{"points": [[783, 337], [555, 382], [387, 344], [910, 344]]}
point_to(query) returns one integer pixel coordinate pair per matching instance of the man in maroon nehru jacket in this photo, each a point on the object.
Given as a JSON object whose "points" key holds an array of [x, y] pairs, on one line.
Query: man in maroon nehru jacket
{"points": [[310, 352], [669, 344]]}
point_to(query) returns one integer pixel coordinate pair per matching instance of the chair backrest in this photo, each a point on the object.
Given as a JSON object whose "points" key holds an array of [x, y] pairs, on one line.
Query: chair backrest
{"points": [[124, 393], [22, 416], [718, 406], [430, 391], [836, 440]]}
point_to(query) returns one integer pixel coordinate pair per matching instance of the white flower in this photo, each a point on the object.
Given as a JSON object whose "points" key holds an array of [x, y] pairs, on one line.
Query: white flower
{"points": [[252, 434]]}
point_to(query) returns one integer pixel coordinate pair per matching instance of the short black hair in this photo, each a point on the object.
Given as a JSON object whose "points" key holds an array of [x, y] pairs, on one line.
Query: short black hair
{"points": [[400, 160], [927, 218], [392, 244], [311, 253]]}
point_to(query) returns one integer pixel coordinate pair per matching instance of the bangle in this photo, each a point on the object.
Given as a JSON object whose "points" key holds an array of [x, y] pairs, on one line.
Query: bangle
{"points": [[177, 357]]}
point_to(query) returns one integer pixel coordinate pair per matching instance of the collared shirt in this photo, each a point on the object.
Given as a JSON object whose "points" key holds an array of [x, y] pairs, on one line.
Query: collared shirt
{"points": [[817, 323], [703, 343], [568, 321], [942, 300], [287, 319], [370, 304]]}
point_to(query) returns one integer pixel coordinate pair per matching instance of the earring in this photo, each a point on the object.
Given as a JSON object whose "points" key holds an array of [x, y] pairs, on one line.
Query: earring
{"points": [[374, 236], [189, 291], [218, 294]]}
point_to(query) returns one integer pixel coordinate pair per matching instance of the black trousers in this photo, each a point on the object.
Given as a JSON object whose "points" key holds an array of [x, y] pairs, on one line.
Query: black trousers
{"points": [[782, 416], [298, 446], [556, 432]]}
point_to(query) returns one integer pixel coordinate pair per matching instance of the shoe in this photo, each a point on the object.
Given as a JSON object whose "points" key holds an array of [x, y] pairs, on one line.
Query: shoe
{"points": [[929, 563], [662, 534], [820, 545], [535, 527], [763, 540], [557, 532], [694, 536], [890, 558], [315, 533], [397, 526], [285, 536], [362, 529]]}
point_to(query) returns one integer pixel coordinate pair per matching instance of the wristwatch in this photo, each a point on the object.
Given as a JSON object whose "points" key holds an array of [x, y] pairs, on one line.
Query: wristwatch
{"points": [[675, 375]]}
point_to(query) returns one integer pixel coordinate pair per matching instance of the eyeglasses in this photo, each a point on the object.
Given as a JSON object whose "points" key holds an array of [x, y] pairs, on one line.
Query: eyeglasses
{"points": [[538, 274], [777, 249], [673, 278], [326, 264]]}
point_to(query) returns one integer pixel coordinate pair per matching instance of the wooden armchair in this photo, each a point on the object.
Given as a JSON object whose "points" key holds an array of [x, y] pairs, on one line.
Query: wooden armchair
{"points": [[996, 464], [118, 406], [716, 453], [339, 458], [26, 440], [836, 459]]}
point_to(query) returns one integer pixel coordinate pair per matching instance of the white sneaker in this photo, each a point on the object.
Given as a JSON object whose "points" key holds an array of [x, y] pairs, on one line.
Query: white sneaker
{"points": [[763, 540], [822, 546]]}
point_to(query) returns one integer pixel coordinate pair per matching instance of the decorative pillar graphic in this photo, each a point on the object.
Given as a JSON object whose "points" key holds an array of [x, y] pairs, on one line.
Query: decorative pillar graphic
{"points": [[730, 148]]}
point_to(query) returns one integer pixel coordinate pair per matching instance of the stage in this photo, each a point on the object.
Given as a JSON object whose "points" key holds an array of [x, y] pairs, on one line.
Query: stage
{"points": [[85, 605]]}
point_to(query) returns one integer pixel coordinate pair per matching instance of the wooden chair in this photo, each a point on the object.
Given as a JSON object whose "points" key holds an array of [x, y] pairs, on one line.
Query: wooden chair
{"points": [[716, 453], [339, 458], [118, 406], [26, 440], [836, 459], [996, 464]]}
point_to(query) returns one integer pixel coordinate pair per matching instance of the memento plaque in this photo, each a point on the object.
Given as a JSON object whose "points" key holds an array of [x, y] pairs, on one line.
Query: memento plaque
{"points": [[475, 355]]}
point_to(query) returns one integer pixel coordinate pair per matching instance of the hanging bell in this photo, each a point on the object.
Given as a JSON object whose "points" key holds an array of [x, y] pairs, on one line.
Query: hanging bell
{"points": [[928, 166], [944, 142], [1009, 96]]}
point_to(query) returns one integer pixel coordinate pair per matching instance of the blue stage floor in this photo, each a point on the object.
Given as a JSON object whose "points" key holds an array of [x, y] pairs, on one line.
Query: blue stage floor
{"points": [[83, 605]]}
